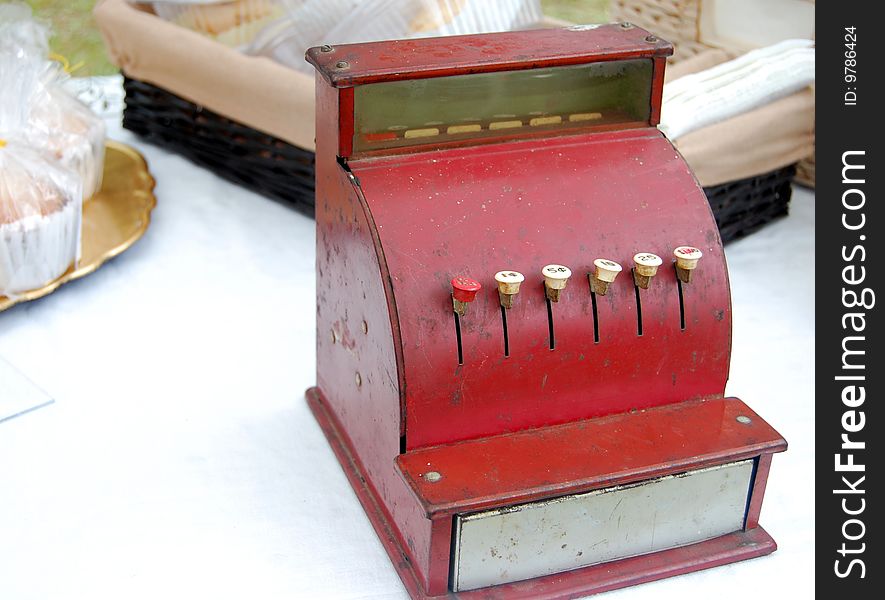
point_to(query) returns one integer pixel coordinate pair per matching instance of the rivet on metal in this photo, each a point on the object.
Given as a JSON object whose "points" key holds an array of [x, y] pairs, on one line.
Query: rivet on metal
{"points": [[432, 476], [651, 39], [627, 25], [342, 64], [365, 327], [744, 419], [359, 380], [326, 48]]}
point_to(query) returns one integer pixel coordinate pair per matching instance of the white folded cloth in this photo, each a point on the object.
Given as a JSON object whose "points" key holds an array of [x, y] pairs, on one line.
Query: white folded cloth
{"points": [[737, 86]]}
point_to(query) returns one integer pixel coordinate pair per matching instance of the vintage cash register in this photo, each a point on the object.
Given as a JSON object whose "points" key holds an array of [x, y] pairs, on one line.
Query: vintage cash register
{"points": [[523, 316]]}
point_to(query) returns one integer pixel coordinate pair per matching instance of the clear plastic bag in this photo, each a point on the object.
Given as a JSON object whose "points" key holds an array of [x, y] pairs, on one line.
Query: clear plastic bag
{"points": [[314, 22], [36, 109], [67, 130], [23, 50], [20, 32], [40, 199], [392, 19], [232, 22], [304, 25], [40, 219]]}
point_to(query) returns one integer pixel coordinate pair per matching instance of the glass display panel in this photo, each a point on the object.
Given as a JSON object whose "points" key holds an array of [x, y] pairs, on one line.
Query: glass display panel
{"points": [[462, 107]]}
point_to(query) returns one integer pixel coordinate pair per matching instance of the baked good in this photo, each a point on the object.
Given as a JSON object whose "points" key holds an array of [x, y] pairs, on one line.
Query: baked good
{"points": [[70, 133], [40, 219]]}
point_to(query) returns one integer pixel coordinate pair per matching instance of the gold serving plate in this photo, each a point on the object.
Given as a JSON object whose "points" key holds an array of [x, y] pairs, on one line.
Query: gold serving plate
{"points": [[113, 219]]}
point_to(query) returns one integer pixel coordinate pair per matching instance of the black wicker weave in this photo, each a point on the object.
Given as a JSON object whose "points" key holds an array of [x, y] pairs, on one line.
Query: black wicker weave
{"points": [[279, 170], [258, 161], [743, 206]]}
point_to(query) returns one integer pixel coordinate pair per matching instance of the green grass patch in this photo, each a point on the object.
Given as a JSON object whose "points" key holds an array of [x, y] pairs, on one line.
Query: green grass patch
{"points": [[75, 35], [577, 11]]}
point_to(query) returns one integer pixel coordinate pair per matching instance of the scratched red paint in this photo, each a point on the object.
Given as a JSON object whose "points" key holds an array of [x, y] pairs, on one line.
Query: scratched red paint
{"points": [[392, 232]]}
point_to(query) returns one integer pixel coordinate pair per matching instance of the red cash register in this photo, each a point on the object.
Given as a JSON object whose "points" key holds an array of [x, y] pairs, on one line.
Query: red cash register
{"points": [[524, 319]]}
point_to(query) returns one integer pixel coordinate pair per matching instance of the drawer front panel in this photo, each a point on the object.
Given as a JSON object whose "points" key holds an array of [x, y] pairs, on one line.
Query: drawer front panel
{"points": [[540, 538]]}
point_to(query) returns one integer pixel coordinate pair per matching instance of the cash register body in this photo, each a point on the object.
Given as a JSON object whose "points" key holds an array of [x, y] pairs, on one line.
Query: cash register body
{"points": [[437, 422]]}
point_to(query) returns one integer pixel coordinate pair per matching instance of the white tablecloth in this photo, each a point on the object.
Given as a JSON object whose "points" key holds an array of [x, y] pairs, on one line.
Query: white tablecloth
{"points": [[179, 459]]}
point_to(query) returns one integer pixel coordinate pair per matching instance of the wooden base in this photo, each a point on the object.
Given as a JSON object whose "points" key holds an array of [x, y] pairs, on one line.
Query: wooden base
{"points": [[603, 577]]}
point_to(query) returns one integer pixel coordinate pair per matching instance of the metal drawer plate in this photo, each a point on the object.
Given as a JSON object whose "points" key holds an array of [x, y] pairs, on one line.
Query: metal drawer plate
{"points": [[550, 536]]}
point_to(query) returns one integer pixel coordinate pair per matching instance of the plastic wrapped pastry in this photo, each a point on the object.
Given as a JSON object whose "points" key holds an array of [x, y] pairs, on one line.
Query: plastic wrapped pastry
{"points": [[34, 106], [40, 199], [40, 219], [65, 129]]}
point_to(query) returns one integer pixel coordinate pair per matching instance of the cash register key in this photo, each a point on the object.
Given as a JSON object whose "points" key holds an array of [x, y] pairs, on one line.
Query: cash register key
{"points": [[645, 266], [508, 286], [555, 278], [606, 272], [687, 258], [464, 291]]}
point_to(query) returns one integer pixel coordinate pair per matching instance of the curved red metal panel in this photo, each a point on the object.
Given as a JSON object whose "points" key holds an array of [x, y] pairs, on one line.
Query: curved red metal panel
{"points": [[521, 205]]}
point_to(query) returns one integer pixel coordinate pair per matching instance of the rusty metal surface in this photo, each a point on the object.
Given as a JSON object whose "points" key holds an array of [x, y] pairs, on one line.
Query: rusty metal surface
{"points": [[572, 458], [520, 205], [392, 231], [357, 366], [433, 57], [551, 536], [763, 468]]}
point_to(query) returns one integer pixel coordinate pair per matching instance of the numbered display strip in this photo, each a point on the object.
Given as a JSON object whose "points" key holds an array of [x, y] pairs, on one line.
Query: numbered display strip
{"points": [[435, 129], [540, 538]]}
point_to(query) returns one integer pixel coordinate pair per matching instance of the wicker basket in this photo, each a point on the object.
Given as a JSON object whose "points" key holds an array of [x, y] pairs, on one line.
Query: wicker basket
{"points": [[285, 172], [677, 21], [741, 207], [805, 172], [238, 153]]}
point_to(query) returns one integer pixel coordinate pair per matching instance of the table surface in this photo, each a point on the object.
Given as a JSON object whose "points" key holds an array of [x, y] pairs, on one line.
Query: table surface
{"points": [[179, 458]]}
